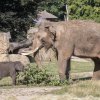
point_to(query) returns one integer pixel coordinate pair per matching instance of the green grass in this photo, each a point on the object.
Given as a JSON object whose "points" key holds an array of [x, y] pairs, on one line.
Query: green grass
{"points": [[81, 66], [51, 67], [81, 89], [6, 81], [78, 88], [76, 67]]}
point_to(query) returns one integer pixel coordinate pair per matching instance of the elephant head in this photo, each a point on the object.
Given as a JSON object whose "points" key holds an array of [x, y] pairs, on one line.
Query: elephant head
{"points": [[44, 37], [49, 36], [19, 66]]}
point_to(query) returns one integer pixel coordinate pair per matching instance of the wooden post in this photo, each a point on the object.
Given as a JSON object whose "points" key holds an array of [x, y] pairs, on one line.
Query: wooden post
{"points": [[67, 16]]}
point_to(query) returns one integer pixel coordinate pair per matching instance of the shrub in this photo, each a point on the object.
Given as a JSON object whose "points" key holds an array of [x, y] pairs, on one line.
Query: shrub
{"points": [[35, 76]]}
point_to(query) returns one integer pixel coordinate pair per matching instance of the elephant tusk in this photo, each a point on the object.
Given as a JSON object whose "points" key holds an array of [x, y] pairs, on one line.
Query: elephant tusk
{"points": [[26, 53], [29, 52], [35, 49]]}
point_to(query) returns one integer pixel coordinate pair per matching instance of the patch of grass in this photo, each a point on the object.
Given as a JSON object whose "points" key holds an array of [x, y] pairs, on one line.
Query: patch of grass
{"points": [[51, 69], [38, 77], [81, 66], [76, 67], [6, 81], [81, 89]]}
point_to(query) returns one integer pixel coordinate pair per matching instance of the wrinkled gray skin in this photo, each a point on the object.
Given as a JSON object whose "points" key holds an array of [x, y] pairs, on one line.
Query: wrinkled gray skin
{"points": [[16, 46], [10, 69], [78, 38], [41, 55], [30, 36]]}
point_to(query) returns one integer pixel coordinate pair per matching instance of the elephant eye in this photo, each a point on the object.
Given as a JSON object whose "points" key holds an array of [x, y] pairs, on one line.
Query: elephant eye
{"points": [[38, 36], [43, 41]]}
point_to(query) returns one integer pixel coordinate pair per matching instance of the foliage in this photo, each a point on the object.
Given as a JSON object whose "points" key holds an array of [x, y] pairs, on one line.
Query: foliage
{"points": [[53, 6], [85, 9], [78, 9], [35, 76], [51, 71], [16, 15]]}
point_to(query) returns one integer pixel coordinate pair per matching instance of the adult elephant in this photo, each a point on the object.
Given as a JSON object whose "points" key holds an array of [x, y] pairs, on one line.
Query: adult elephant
{"points": [[76, 37]]}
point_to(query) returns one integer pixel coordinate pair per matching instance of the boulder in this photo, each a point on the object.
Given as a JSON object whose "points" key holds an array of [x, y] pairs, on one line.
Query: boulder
{"points": [[4, 43], [14, 57], [17, 57], [4, 57]]}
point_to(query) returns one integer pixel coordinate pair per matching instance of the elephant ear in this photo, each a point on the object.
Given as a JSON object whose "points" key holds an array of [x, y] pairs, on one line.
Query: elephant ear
{"points": [[50, 29], [51, 32]]}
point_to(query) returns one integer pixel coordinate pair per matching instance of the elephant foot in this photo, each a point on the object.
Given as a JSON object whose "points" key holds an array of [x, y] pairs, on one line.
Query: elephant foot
{"points": [[96, 75], [63, 78]]}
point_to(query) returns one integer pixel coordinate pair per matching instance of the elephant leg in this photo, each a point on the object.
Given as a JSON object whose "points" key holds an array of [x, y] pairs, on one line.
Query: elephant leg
{"points": [[14, 80], [64, 57], [96, 73], [13, 76], [38, 61], [64, 67]]}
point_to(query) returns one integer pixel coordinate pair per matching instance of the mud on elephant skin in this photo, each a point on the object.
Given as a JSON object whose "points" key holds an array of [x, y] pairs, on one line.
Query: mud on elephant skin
{"points": [[76, 37], [11, 69]]}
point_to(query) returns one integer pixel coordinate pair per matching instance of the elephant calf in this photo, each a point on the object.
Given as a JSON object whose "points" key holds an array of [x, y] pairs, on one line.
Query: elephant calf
{"points": [[10, 69]]}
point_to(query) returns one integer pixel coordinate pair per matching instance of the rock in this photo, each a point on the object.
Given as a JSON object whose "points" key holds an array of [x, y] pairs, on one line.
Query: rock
{"points": [[18, 57], [4, 57], [14, 57], [4, 43]]}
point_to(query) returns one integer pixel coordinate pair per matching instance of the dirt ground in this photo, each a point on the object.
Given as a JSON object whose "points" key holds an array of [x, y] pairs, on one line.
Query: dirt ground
{"points": [[38, 93]]}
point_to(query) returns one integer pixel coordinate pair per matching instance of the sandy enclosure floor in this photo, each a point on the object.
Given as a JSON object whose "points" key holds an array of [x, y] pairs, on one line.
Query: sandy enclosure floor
{"points": [[38, 93]]}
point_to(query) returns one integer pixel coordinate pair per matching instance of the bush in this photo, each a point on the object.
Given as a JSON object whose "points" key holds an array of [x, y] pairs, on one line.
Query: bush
{"points": [[35, 76]]}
